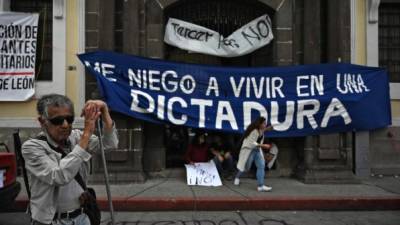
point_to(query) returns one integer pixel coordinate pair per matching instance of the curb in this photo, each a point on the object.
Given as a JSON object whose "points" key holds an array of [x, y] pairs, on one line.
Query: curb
{"points": [[232, 203]]}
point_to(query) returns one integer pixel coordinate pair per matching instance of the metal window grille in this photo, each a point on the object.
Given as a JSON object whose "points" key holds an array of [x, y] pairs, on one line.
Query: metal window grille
{"points": [[389, 39], [44, 54]]}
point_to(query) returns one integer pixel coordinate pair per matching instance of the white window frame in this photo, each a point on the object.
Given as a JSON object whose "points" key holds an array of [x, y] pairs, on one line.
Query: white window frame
{"points": [[372, 29], [362, 140], [57, 84], [394, 90], [394, 87], [79, 122], [59, 64]]}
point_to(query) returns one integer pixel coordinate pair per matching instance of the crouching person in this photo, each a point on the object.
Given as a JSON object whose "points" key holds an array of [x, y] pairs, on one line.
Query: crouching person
{"points": [[270, 155], [59, 155]]}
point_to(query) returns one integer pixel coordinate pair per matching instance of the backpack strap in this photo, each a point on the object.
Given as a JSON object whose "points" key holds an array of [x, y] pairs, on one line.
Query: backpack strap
{"points": [[21, 160]]}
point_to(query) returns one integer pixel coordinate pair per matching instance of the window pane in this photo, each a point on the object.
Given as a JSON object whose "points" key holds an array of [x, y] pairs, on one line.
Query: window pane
{"points": [[45, 34], [389, 39]]}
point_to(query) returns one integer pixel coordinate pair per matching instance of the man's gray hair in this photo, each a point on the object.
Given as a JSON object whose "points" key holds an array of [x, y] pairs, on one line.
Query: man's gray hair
{"points": [[55, 100]]}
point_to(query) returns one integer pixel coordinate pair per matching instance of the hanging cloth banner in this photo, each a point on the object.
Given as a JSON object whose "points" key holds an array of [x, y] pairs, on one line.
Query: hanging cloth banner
{"points": [[192, 37], [296, 100], [18, 34]]}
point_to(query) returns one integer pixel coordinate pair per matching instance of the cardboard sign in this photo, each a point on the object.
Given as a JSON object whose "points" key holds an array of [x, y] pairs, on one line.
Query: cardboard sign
{"points": [[203, 174]]}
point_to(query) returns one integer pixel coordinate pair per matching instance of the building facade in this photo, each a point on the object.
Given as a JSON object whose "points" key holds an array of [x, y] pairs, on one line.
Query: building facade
{"points": [[364, 32]]}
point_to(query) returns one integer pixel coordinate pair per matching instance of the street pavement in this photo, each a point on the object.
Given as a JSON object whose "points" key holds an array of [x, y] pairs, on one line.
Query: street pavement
{"points": [[171, 193], [236, 218]]}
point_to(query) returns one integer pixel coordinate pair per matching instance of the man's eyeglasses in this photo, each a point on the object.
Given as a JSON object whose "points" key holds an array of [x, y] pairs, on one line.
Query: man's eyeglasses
{"points": [[59, 120]]}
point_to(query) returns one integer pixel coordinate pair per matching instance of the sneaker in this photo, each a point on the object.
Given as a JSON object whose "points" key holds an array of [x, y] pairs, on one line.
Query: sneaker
{"points": [[264, 188], [236, 181]]}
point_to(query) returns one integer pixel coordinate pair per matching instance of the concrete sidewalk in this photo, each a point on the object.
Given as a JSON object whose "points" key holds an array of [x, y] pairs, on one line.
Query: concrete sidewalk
{"points": [[160, 194]]}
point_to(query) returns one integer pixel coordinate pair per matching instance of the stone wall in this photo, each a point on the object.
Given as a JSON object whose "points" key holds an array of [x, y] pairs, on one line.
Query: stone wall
{"points": [[306, 32], [384, 151]]}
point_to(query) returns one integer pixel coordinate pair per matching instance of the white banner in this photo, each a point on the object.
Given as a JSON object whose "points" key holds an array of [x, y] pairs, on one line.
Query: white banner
{"points": [[18, 35], [246, 39], [203, 174]]}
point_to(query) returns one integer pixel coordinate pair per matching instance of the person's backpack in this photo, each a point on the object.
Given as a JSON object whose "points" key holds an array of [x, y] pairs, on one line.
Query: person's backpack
{"points": [[20, 160]]}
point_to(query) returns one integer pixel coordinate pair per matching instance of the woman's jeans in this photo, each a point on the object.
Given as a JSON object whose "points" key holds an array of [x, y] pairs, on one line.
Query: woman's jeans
{"points": [[259, 160]]}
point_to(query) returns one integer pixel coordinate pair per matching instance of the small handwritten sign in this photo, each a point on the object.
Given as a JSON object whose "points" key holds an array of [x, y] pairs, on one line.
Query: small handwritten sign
{"points": [[203, 174]]}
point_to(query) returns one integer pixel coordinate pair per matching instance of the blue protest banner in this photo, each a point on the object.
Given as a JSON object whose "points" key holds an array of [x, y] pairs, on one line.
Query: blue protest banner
{"points": [[296, 100]]}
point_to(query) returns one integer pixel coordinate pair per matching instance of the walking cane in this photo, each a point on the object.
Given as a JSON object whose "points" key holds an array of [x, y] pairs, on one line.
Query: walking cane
{"points": [[103, 157]]}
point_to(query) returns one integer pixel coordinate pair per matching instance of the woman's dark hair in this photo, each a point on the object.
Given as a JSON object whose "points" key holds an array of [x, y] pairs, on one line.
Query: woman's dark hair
{"points": [[195, 140], [254, 125]]}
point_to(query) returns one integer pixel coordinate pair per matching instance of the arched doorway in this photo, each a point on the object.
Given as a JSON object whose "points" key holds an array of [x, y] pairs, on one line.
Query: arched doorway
{"points": [[223, 16]]}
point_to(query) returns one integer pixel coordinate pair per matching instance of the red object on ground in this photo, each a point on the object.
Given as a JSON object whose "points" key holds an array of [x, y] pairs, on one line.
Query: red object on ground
{"points": [[9, 187]]}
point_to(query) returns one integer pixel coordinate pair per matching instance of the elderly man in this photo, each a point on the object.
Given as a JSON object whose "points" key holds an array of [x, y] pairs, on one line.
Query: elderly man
{"points": [[58, 154]]}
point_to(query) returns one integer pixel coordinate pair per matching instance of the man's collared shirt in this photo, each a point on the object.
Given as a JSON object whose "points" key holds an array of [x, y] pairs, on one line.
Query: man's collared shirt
{"points": [[51, 177]]}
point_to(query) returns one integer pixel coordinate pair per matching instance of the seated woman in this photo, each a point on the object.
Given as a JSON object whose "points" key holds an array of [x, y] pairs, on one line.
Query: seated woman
{"points": [[198, 149]]}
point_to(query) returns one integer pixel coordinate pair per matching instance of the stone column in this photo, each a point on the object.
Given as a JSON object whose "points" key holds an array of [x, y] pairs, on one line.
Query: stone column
{"points": [[312, 31], [124, 163], [154, 149], [283, 43], [132, 18], [106, 21], [327, 158]]}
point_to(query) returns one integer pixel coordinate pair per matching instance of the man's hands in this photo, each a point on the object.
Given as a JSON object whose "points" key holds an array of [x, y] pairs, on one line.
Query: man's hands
{"points": [[92, 110], [96, 105]]}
